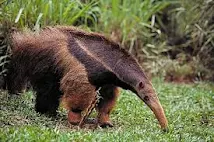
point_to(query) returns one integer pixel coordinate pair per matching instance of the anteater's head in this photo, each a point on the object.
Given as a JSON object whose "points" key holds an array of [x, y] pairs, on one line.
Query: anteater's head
{"points": [[146, 92]]}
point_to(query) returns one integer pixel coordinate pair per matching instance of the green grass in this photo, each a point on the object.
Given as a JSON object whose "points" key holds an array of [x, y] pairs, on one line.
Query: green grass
{"points": [[189, 109], [36, 13]]}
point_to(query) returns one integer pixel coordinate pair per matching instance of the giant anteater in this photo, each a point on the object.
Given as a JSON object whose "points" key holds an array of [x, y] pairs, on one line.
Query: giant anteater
{"points": [[66, 63]]}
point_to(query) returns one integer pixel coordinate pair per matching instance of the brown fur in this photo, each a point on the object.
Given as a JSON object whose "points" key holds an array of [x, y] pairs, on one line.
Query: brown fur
{"points": [[45, 49]]}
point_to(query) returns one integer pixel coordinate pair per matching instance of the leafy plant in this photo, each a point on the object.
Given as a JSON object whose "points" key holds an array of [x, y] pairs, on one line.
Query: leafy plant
{"points": [[187, 29], [130, 22]]}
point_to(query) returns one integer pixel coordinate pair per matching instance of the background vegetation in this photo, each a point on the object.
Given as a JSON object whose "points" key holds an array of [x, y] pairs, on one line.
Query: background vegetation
{"points": [[173, 38]]}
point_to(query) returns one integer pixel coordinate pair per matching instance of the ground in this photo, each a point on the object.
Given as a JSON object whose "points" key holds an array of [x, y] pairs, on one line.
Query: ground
{"points": [[189, 109]]}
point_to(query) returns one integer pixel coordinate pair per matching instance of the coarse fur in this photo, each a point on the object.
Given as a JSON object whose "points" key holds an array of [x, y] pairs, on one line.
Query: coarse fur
{"points": [[68, 63]]}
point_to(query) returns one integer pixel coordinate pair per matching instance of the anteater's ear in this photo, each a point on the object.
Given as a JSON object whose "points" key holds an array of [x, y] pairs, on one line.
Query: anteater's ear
{"points": [[141, 85]]}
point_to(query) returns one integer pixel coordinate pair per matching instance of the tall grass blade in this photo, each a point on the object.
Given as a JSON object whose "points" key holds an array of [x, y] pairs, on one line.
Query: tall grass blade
{"points": [[19, 15]]}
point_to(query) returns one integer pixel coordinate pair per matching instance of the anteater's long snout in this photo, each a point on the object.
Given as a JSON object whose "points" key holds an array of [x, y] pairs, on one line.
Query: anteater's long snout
{"points": [[147, 93], [153, 103]]}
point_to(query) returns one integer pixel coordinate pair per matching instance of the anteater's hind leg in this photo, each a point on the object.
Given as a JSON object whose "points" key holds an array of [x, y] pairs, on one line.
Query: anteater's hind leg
{"points": [[47, 95], [47, 102], [109, 94], [15, 79]]}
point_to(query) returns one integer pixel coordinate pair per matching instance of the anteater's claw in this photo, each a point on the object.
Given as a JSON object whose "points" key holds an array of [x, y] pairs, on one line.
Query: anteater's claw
{"points": [[106, 124], [165, 130]]}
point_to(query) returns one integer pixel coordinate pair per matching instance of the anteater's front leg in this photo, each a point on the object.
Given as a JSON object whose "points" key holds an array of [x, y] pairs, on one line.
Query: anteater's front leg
{"points": [[78, 96], [109, 94], [78, 105]]}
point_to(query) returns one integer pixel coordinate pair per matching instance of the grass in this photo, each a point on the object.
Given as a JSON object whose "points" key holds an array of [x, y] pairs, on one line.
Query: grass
{"points": [[189, 109], [36, 13]]}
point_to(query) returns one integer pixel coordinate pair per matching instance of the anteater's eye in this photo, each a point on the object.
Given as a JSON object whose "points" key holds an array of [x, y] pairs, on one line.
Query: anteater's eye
{"points": [[141, 85]]}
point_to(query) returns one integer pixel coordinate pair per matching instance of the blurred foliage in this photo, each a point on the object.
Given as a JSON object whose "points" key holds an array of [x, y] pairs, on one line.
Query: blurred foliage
{"points": [[171, 37], [131, 22], [188, 31]]}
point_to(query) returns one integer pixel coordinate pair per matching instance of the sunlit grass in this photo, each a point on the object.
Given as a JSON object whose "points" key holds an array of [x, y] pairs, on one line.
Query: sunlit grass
{"points": [[189, 109], [36, 13]]}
